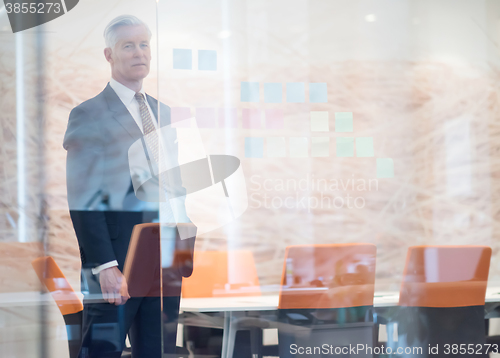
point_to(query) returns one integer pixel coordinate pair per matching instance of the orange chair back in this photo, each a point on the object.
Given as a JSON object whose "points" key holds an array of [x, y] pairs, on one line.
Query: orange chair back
{"points": [[141, 268], [222, 274], [54, 280], [328, 276], [445, 276]]}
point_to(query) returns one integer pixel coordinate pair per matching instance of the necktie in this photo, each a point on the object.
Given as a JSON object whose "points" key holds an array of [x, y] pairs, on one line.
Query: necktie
{"points": [[151, 138], [148, 125]]}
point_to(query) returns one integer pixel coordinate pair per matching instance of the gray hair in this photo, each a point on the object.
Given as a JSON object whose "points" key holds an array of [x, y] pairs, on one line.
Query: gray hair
{"points": [[110, 33]]}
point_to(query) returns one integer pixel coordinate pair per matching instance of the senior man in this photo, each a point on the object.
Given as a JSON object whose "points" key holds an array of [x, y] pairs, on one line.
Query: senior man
{"points": [[104, 209]]}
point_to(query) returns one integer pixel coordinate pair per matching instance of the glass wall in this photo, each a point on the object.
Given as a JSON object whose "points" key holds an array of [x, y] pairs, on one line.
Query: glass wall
{"points": [[299, 122]]}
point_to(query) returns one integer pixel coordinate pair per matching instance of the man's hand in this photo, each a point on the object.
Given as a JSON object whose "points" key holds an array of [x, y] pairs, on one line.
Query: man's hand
{"points": [[113, 286]]}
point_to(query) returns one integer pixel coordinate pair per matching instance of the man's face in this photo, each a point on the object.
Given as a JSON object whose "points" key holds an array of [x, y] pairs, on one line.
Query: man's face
{"points": [[131, 55]]}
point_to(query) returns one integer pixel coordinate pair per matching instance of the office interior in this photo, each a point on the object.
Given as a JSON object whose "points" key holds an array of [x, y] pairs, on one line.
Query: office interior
{"points": [[364, 201]]}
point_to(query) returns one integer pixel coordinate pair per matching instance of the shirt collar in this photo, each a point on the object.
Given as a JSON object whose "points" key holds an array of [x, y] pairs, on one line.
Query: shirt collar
{"points": [[124, 93]]}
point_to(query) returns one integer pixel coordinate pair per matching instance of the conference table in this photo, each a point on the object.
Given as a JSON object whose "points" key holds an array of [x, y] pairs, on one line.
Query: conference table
{"points": [[222, 312]]}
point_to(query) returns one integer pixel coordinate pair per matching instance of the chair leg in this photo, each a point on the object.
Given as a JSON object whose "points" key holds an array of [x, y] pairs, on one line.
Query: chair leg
{"points": [[390, 327], [74, 329], [256, 342], [255, 338]]}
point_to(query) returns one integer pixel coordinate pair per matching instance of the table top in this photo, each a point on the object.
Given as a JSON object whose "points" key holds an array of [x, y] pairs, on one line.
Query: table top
{"points": [[260, 303], [270, 302], [265, 302]]}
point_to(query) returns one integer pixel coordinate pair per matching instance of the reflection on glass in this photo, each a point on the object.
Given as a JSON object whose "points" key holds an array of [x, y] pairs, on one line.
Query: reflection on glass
{"points": [[349, 121]]}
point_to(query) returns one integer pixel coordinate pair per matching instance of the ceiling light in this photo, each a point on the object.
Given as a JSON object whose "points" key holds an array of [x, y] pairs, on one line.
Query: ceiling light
{"points": [[370, 17], [224, 34]]}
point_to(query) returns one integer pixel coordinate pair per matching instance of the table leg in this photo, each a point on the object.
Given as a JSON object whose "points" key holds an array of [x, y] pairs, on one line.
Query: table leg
{"points": [[225, 334]]}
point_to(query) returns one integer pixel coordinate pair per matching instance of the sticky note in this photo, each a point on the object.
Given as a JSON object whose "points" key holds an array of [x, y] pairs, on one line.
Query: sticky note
{"points": [[299, 147], [180, 114], [251, 118], [207, 60], [319, 121], [320, 146], [364, 147], [228, 118], [273, 92], [318, 93], [183, 59], [205, 117], [385, 168], [343, 122], [249, 91], [276, 147], [254, 147], [345, 147], [274, 118], [295, 92]]}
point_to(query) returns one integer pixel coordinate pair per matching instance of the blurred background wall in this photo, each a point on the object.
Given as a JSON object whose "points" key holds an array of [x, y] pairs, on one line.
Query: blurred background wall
{"points": [[421, 79]]}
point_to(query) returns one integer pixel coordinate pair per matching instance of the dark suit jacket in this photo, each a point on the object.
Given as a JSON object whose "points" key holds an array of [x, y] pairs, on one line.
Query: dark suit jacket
{"points": [[99, 134]]}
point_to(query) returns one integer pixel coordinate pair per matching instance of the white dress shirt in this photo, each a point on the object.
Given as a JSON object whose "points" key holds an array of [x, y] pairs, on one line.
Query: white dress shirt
{"points": [[126, 95]]}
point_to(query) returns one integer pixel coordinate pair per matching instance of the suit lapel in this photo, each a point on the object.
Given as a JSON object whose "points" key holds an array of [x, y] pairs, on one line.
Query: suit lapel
{"points": [[121, 113]]}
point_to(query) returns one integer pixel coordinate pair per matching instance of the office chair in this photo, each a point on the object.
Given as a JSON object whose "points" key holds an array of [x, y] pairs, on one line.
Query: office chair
{"points": [[68, 302], [326, 297], [442, 300], [222, 274]]}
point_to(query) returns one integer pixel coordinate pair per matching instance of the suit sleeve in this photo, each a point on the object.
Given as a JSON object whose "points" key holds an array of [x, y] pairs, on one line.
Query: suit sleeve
{"points": [[84, 177]]}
